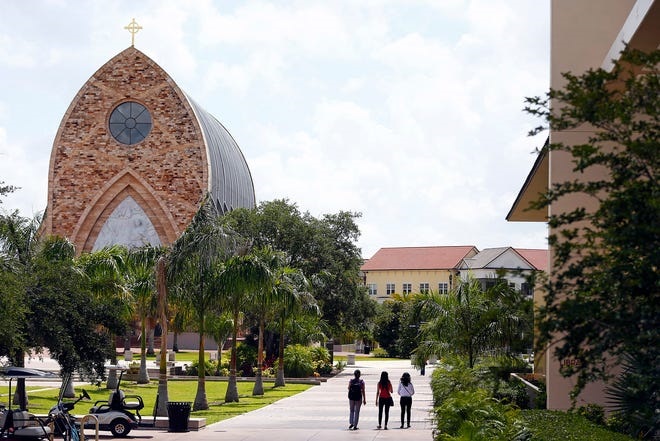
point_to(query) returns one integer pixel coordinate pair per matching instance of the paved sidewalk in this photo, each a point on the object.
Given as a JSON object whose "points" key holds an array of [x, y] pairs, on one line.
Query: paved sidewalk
{"points": [[321, 412]]}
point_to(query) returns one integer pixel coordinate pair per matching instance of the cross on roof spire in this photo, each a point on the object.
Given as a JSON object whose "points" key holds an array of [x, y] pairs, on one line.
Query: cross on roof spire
{"points": [[133, 28]]}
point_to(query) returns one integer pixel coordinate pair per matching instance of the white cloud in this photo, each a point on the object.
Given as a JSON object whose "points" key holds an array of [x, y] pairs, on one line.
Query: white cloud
{"points": [[405, 110]]}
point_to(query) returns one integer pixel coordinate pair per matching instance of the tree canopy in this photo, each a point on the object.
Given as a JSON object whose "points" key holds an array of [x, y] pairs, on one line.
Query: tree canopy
{"points": [[47, 301], [602, 301], [323, 249]]}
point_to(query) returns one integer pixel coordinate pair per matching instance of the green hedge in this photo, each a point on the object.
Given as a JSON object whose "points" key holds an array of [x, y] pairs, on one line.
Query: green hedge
{"points": [[548, 425]]}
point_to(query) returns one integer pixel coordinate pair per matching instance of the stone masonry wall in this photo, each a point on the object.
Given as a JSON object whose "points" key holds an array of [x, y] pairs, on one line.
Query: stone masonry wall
{"points": [[170, 163]]}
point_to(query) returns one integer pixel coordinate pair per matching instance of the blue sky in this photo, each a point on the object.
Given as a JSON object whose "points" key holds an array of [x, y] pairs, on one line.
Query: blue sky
{"points": [[407, 111]]}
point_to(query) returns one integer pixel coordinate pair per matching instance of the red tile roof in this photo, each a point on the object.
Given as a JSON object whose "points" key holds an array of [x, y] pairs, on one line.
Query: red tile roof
{"points": [[418, 258], [539, 258]]}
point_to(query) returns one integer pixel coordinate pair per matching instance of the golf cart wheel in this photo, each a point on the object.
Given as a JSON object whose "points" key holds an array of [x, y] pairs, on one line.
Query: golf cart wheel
{"points": [[119, 428]]}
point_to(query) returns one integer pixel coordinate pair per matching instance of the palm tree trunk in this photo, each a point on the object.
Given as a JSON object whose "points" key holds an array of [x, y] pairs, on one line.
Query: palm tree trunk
{"points": [[143, 376], [150, 339], [279, 381], [258, 381], [200, 397], [232, 388], [161, 286]]}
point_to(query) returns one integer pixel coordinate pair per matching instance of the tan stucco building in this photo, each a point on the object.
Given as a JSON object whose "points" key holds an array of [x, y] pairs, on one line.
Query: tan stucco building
{"points": [[584, 34]]}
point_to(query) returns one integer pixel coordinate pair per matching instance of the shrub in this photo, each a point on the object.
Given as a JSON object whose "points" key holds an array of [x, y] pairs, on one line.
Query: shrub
{"points": [[513, 392], [298, 361], [448, 379], [246, 358], [193, 368], [319, 354], [379, 353], [593, 412], [320, 360], [634, 396], [474, 415], [541, 400]]}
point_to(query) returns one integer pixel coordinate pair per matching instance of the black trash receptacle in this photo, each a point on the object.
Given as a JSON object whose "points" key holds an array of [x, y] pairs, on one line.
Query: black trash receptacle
{"points": [[367, 349], [178, 414]]}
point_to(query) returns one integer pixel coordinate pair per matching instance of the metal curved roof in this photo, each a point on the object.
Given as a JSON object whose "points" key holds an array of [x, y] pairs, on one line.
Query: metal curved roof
{"points": [[230, 179]]}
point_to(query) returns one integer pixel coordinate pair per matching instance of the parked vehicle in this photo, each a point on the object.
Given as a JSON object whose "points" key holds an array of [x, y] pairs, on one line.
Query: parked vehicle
{"points": [[120, 413], [19, 423]]}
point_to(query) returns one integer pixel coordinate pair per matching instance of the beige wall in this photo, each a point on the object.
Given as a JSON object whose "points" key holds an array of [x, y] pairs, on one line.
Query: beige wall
{"points": [[582, 33], [398, 277]]}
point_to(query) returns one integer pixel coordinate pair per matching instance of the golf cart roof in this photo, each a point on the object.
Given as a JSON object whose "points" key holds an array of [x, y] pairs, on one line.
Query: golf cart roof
{"points": [[22, 372]]}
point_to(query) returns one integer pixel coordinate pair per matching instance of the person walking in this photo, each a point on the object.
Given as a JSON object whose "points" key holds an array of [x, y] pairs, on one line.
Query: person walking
{"points": [[356, 397], [406, 391], [384, 398]]}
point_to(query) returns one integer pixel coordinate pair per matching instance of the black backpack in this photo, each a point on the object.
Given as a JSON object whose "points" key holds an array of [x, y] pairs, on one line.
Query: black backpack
{"points": [[355, 390]]}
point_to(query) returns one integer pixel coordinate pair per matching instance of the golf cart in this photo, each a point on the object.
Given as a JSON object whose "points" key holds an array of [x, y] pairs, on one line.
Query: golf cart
{"points": [[116, 414], [19, 423]]}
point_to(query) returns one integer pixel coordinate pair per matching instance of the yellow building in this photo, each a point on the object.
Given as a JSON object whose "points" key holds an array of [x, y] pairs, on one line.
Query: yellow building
{"points": [[585, 34], [407, 270]]}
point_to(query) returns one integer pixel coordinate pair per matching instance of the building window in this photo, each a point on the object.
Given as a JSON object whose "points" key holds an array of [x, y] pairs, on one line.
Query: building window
{"points": [[406, 288], [390, 289], [372, 289], [526, 289], [443, 288], [423, 287]]}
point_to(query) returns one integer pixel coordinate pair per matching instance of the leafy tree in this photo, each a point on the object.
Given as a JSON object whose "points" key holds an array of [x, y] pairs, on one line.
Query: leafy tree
{"points": [[54, 308], [602, 301], [324, 249], [65, 317], [397, 325], [5, 189]]}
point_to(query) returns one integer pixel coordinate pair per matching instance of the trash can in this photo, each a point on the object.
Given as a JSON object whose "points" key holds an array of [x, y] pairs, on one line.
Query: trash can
{"points": [[178, 414], [367, 349]]}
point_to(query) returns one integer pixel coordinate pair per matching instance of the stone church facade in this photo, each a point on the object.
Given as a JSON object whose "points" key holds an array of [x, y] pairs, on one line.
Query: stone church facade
{"points": [[134, 157]]}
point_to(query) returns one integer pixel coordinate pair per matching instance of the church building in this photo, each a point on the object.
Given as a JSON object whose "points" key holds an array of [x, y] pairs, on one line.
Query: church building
{"points": [[134, 157]]}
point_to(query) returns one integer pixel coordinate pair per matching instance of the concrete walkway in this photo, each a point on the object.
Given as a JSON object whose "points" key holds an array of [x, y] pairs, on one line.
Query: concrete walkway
{"points": [[318, 414], [321, 412]]}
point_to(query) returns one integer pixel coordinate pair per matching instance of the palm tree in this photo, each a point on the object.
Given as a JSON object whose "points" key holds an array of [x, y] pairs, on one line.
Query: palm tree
{"points": [[219, 328], [140, 277], [293, 300], [195, 263], [467, 321], [103, 270], [240, 276], [263, 298]]}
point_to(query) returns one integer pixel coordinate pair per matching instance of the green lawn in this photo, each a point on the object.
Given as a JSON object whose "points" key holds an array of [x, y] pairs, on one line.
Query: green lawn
{"points": [[42, 399]]}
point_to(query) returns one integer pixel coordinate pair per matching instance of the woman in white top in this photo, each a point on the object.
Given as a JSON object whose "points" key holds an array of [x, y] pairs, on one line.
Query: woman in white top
{"points": [[406, 391]]}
